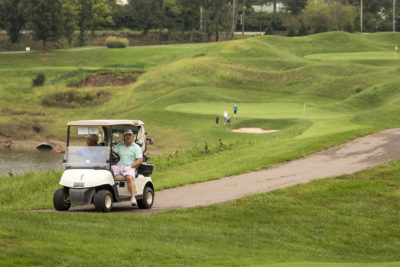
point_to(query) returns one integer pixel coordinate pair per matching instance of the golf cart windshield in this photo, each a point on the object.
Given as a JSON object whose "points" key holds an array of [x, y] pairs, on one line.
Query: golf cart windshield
{"points": [[87, 156], [89, 144]]}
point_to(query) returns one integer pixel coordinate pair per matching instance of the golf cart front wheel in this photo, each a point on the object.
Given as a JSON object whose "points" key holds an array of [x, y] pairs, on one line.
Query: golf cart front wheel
{"points": [[148, 198], [103, 200], [60, 200]]}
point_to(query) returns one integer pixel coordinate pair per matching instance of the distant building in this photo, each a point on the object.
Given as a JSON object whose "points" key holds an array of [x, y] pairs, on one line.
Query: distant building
{"points": [[122, 2], [268, 7]]}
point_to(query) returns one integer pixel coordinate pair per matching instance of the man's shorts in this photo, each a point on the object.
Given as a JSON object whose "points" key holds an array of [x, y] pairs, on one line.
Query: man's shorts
{"points": [[120, 170]]}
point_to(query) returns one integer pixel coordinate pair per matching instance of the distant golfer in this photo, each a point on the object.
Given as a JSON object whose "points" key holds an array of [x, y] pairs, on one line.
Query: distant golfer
{"points": [[225, 117], [216, 121], [235, 109]]}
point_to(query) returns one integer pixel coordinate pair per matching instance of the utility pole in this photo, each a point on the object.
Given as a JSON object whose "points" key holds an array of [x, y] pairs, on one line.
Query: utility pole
{"points": [[361, 16], [261, 18], [394, 15], [201, 18], [233, 18], [243, 17]]}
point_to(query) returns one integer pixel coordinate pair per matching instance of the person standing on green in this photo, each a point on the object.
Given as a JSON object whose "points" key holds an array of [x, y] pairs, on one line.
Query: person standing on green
{"points": [[235, 109], [131, 157]]}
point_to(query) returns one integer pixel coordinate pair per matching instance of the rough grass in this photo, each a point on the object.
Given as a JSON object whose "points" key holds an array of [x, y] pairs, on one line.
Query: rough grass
{"points": [[349, 219]]}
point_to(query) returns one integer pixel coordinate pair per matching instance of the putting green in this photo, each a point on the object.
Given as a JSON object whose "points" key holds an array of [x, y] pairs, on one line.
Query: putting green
{"points": [[324, 121], [274, 110], [374, 55]]}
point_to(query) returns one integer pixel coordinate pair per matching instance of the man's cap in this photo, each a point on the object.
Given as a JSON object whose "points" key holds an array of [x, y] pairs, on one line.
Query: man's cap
{"points": [[93, 137], [128, 131]]}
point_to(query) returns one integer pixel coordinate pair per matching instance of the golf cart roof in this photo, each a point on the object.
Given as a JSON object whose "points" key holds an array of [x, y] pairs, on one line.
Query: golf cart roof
{"points": [[105, 123]]}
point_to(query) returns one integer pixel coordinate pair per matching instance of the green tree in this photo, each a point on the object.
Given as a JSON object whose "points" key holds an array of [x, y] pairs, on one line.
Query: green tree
{"points": [[119, 14], [220, 17], [302, 30], [292, 24], [194, 15], [169, 15], [141, 15], [46, 20], [323, 16], [189, 15], [316, 16], [294, 6], [13, 16], [376, 14], [69, 10], [342, 15], [91, 14]]}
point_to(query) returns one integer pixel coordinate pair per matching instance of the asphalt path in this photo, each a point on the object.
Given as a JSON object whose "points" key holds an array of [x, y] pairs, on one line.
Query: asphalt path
{"points": [[356, 155]]}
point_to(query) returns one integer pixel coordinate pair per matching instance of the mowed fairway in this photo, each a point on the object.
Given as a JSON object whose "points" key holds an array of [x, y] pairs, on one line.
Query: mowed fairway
{"points": [[350, 84], [323, 121]]}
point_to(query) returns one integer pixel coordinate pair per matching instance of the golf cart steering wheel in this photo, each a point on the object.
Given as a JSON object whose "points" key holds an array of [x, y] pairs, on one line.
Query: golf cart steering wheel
{"points": [[114, 157]]}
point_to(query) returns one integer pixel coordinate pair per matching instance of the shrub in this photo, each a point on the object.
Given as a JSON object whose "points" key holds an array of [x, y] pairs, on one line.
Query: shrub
{"points": [[302, 30], [115, 42], [39, 79], [291, 32], [269, 29]]}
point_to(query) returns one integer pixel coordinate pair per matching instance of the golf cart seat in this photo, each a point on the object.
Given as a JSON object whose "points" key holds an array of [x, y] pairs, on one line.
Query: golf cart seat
{"points": [[145, 169], [119, 178]]}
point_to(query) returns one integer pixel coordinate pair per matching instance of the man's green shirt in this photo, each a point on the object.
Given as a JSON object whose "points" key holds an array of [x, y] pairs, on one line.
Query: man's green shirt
{"points": [[128, 154]]}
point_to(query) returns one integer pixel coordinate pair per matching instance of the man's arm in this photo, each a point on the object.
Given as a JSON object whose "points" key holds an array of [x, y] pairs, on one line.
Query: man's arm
{"points": [[58, 150], [137, 163]]}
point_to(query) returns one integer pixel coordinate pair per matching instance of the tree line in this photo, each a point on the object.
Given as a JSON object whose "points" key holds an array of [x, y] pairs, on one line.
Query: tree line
{"points": [[196, 20]]}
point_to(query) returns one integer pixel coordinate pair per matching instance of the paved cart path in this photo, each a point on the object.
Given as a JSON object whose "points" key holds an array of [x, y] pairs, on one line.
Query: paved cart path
{"points": [[351, 157]]}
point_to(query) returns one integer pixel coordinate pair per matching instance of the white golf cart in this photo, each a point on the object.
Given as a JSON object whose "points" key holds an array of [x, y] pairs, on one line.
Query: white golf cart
{"points": [[88, 177]]}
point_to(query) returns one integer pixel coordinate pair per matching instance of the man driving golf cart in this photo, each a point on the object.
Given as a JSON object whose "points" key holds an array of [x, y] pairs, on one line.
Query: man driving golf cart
{"points": [[97, 179], [131, 157]]}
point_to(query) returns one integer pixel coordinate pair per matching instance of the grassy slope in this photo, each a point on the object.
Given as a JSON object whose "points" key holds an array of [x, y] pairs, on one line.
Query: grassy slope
{"points": [[256, 70], [361, 87]]}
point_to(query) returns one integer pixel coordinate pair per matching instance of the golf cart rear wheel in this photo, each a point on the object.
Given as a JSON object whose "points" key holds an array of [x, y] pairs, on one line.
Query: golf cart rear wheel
{"points": [[103, 200], [148, 198], [60, 200]]}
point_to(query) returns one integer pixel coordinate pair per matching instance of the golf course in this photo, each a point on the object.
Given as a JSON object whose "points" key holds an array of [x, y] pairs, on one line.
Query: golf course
{"points": [[317, 92]]}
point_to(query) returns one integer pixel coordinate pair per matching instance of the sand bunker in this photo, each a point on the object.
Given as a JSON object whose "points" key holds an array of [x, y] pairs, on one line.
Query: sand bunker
{"points": [[255, 130]]}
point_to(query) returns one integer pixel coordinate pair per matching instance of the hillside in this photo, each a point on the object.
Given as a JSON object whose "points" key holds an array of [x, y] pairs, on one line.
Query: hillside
{"points": [[354, 75]]}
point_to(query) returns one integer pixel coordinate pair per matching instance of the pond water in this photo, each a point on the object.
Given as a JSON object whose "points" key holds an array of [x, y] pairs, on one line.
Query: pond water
{"points": [[19, 162]]}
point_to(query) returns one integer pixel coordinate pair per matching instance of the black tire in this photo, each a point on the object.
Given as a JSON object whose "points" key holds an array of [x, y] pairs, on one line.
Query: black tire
{"points": [[148, 198], [103, 200], [60, 200]]}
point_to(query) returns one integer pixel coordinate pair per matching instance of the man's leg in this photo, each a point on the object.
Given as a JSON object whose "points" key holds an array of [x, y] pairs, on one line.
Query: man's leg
{"points": [[130, 179], [131, 185]]}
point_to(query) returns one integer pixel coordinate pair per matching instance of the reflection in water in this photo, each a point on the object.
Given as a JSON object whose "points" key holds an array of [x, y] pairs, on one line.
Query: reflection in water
{"points": [[19, 162]]}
